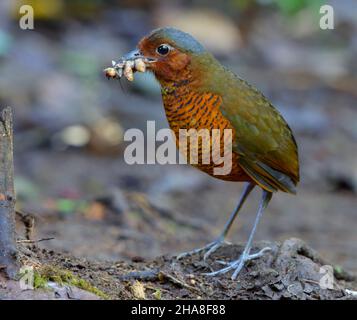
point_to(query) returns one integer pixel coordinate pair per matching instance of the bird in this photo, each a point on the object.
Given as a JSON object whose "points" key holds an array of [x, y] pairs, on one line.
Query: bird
{"points": [[198, 92]]}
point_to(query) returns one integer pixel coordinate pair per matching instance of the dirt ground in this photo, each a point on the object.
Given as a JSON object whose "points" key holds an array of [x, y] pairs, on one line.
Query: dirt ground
{"points": [[291, 270]]}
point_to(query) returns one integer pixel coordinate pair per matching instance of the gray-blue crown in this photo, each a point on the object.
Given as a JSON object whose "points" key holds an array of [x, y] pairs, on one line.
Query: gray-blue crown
{"points": [[182, 39]]}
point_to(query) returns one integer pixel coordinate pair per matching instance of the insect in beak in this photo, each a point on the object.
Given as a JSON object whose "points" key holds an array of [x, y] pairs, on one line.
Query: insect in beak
{"points": [[127, 65]]}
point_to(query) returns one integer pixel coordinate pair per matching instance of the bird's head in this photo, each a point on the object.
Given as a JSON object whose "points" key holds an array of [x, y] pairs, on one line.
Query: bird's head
{"points": [[170, 54]]}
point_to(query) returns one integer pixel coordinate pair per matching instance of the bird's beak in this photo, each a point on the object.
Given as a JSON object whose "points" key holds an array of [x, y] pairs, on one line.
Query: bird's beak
{"points": [[135, 55], [132, 55]]}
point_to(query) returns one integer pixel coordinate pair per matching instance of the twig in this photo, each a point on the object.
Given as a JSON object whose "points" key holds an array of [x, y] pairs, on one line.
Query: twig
{"points": [[33, 241], [154, 289], [178, 282], [311, 281]]}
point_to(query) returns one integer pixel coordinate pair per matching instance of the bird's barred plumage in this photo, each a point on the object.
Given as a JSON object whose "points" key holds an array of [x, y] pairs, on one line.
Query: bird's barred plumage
{"points": [[200, 111]]}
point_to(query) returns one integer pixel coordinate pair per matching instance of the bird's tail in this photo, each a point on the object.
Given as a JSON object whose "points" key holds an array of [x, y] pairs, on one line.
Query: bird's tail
{"points": [[267, 178]]}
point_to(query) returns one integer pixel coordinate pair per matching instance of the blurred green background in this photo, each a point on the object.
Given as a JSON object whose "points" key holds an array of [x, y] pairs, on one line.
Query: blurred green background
{"points": [[69, 124]]}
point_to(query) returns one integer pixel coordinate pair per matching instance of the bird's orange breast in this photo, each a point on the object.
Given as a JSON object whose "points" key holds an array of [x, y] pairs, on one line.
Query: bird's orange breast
{"points": [[191, 110]]}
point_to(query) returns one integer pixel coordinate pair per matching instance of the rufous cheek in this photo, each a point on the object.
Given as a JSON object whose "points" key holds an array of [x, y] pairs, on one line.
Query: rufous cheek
{"points": [[171, 67], [179, 61]]}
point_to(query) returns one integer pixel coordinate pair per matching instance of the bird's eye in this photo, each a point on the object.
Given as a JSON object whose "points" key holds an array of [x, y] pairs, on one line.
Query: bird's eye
{"points": [[163, 49]]}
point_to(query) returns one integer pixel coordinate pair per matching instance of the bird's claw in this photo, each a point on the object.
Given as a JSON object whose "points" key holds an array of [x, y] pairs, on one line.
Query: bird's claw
{"points": [[238, 264], [209, 248]]}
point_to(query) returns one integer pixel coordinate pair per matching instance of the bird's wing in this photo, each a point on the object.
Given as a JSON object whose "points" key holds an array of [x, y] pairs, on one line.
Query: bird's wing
{"points": [[264, 141]]}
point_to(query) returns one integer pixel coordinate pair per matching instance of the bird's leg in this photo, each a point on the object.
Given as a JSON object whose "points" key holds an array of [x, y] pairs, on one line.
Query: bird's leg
{"points": [[214, 245], [238, 264]]}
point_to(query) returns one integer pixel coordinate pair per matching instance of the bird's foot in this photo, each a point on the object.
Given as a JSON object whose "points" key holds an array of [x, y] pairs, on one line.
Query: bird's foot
{"points": [[238, 264], [209, 248]]}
